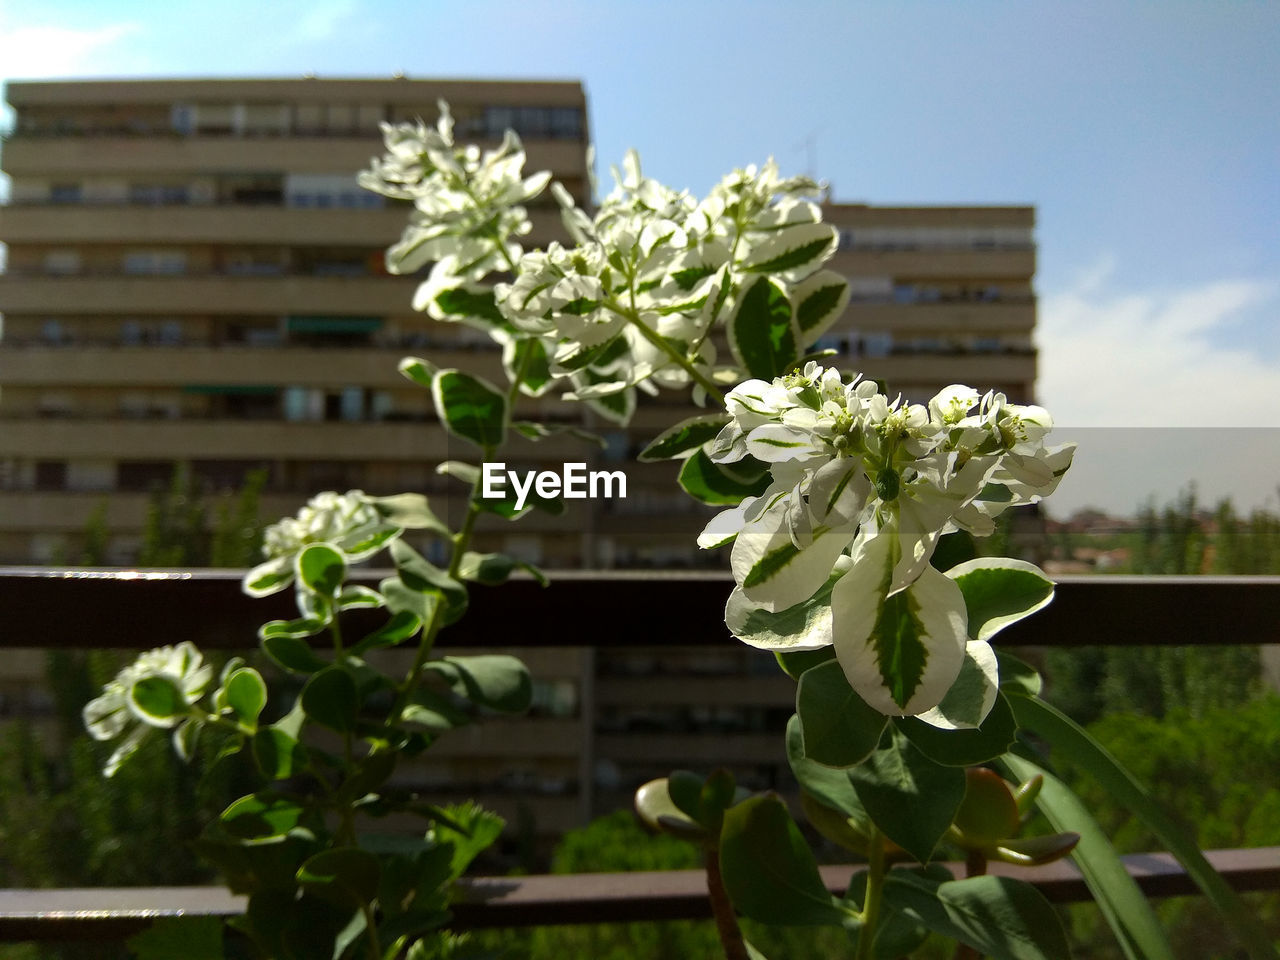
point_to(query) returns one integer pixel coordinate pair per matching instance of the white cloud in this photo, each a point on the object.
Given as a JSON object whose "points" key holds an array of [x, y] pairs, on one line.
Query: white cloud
{"points": [[323, 20], [1145, 384], [1153, 359], [31, 52]]}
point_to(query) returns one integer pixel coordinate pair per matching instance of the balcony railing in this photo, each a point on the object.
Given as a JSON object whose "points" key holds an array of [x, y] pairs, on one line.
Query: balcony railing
{"points": [[46, 607]]}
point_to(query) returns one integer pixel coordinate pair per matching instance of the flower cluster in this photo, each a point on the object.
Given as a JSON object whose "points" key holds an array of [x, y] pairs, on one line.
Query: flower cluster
{"points": [[351, 522], [633, 303], [175, 676], [856, 473], [467, 204]]}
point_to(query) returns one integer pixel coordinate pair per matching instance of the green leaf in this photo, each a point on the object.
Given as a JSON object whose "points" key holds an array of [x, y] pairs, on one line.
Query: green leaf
{"points": [[827, 796], [246, 694], [291, 629], [911, 798], [685, 789], [527, 358], [277, 754], [655, 807], [898, 639], [478, 305], [964, 748], [793, 249], [684, 438], [345, 875], [400, 626], [261, 816], [795, 662], [157, 700], [496, 681], [468, 829], [838, 728], [190, 937], [492, 569], [999, 591], [321, 568], [419, 574], [1070, 741], [420, 371], [769, 871], [292, 654], [436, 713], [704, 480], [1017, 676], [1002, 918], [820, 300], [470, 408], [410, 511], [329, 698], [356, 597], [535, 431], [1123, 904], [806, 624], [760, 331], [268, 578]]}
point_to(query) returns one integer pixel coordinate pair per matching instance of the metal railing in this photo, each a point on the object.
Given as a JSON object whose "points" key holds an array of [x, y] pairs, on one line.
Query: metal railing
{"points": [[45, 608]]}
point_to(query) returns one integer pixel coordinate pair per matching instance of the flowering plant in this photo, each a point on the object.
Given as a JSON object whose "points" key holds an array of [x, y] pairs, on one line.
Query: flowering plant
{"points": [[838, 497]]}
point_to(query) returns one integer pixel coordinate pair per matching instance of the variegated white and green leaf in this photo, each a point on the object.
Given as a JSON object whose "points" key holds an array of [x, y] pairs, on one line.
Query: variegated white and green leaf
{"points": [[973, 694], [772, 571], [900, 651], [819, 301]]}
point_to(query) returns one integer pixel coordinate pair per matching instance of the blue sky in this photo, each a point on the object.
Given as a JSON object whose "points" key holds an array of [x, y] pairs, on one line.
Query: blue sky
{"points": [[1144, 133]]}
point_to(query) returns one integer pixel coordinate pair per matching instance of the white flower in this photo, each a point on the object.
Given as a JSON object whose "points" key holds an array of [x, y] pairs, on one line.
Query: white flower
{"points": [[116, 712], [858, 473], [349, 521]]}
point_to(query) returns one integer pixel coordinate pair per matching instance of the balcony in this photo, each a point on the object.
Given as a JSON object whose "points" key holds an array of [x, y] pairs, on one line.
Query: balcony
{"points": [[130, 295], [131, 609], [942, 317], [974, 367], [76, 365], [72, 155], [921, 264], [82, 223]]}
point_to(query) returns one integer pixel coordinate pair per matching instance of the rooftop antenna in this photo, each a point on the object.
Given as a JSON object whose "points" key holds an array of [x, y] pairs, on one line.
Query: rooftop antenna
{"points": [[810, 147]]}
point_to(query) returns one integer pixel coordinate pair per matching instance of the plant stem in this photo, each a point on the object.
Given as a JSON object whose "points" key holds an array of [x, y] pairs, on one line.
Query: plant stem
{"points": [[726, 922], [370, 924], [633, 318], [875, 890], [975, 865]]}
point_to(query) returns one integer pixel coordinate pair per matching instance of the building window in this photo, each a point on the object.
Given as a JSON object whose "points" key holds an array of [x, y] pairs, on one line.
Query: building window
{"points": [[150, 262], [51, 474], [62, 261], [64, 193], [144, 475], [566, 123], [182, 117]]}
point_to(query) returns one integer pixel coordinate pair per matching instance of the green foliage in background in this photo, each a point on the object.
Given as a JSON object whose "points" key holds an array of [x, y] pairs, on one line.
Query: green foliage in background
{"points": [[1219, 778], [1088, 683], [61, 823]]}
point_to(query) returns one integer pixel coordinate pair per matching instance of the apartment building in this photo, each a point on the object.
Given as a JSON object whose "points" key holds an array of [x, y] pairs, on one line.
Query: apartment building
{"points": [[194, 277]]}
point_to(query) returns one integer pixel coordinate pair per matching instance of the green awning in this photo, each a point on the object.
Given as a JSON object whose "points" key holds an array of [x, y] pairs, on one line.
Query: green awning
{"points": [[333, 324]]}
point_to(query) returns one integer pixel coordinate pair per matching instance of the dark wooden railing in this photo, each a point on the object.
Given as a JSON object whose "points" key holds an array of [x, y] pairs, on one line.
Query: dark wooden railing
{"points": [[132, 609]]}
